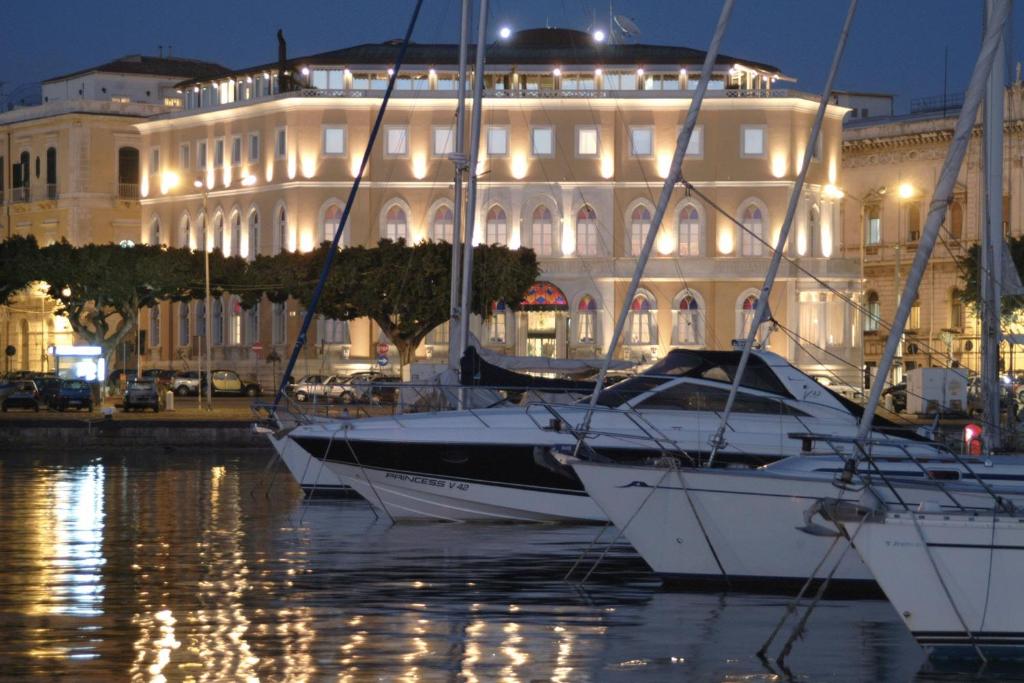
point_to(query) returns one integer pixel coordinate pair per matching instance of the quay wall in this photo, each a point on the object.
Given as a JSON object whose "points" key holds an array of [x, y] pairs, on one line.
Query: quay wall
{"points": [[163, 435]]}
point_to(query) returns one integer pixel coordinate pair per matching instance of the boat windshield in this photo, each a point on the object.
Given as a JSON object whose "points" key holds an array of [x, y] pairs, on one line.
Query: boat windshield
{"points": [[715, 366], [689, 396]]}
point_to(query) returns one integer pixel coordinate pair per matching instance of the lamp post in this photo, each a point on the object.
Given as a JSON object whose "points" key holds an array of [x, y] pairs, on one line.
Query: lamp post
{"points": [[200, 185]]}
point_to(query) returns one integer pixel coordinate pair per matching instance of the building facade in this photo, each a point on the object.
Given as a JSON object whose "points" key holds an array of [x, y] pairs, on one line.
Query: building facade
{"points": [[574, 147], [69, 170], [890, 167]]}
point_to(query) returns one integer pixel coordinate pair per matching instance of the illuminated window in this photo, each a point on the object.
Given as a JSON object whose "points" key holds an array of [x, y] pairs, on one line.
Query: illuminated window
{"points": [[497, 226], [745, 315], [873, 226], [641, 141], [689, 231], [542, 231], [444, 141], [689, 321], [334, 142], [914, 321], [752, 236], [396, 224], [873, 314], [254, 234], [332, 221], [619, 81], [497, 141], [586, 232], [497, 328], [752, 141], [641, 329], [695, 148], [442, 227], [396, 141], [669, 81], [639, 226], [587, 141], [542, 141], [234, 321], [586, 320]]}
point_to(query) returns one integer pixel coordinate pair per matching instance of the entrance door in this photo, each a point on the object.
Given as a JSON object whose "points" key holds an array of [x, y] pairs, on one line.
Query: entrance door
{"points": [[542, 334]]}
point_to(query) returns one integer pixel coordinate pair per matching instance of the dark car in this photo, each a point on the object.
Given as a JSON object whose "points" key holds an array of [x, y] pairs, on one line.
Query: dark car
{"points": [[160, 376], [48, 386], [25, 395], [141, 394], [228, 383], [74, 393], [115, 377]]}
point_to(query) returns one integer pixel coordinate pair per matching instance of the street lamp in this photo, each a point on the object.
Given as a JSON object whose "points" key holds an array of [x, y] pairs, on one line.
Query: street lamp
{"points": [[201, 186]]}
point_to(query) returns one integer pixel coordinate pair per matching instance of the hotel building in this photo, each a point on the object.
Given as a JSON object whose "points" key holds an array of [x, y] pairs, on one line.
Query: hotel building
{"points": [[577, 137]]}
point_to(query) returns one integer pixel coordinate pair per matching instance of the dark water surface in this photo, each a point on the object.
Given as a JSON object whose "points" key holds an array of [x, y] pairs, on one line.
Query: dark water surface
{"points": [[209, 567]]}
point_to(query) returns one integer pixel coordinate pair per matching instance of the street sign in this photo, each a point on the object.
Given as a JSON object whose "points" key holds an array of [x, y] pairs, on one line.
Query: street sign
{"points": [[257, 347], [382, 349], [382, 361]]}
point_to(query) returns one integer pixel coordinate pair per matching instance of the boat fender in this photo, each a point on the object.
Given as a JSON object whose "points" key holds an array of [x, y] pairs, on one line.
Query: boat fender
{"points": [[543, 457]]}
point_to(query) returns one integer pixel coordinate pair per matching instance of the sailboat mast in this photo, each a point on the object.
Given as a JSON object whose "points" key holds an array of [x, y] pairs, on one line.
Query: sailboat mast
{"points": [[474, 155], [992, 247], [940, 202], [455, 348]]}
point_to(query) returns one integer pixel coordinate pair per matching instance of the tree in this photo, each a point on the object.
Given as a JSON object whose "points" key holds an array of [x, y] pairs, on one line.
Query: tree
{"points": [[405, 289], [1012, 306], [18, 257]]}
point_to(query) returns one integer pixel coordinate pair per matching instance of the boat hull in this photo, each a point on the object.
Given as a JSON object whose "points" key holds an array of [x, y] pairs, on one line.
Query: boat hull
{"points": [[316, 479]]}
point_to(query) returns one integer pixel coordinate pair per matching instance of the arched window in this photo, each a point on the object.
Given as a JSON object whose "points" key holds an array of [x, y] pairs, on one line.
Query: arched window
{"points": [[956, 309], [154, 327], [689, 231], [689, 321], [202, 242], [235, 246], [873, 314], [154, 231], [497, 327], [396, 224], [234, 318], [51, 173], [586, 320], [813, 232], [184, 327], [200, 318], [217, 323], [278, 321], [281, 235], [443, 224], [21, 178], [332, 221], [586, 232], [219, 236], [252, 325], [751, 238], [542, 231], [745, 315], [641, 327], [956, 219], [128, 173], [639, 226], [497, 226], [254, 235], [186, 233]]}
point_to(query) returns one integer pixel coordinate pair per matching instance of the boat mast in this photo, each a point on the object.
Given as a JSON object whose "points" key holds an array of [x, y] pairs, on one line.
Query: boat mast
{"points": [[455, 349], [671, 179], [474, 155], [992, 247], [718, 440], [940, 202]]}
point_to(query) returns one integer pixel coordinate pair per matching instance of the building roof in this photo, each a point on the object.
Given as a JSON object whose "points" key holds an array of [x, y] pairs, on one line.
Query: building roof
{"points": [[172, 67], [542, 46]]}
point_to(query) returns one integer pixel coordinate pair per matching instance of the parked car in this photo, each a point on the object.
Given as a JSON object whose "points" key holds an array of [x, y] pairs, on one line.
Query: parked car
{"points": [[370, 387], [185, 382], [898, 392], [229, 383], [158, 375], [114, 380], [141, 394], [24, 395], [330, 387], [48, 386], [74, 393]]}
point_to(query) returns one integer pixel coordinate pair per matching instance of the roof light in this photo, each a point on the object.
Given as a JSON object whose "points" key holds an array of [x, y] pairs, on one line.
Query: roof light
{"points": [[504, 32], [266, 75], [433, 72], [248, 79], [391, 72], [597, 71], [305, 71], [215, 84], [640, 71], [556, 72], [599, 36]]}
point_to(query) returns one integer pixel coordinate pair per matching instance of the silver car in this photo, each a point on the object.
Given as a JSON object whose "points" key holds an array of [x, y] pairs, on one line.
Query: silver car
{"points": [[318, 387]]}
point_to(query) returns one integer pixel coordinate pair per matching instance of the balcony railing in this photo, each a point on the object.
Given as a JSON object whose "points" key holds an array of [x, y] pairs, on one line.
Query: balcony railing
{"points": [[19, 195], [129, 191], [51, 190]]}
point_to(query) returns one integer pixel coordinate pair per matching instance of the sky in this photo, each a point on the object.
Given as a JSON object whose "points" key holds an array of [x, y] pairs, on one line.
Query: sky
{"points": [[896, 46]]}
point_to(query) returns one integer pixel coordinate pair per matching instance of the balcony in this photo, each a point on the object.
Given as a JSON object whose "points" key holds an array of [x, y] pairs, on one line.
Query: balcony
{"points": [[51, 190], [19, 195], [128, 191]]}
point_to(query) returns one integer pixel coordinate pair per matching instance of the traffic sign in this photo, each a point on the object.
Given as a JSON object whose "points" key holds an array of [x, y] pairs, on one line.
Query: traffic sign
{"points": [[382, 349], [382, 361], [257, 347]]}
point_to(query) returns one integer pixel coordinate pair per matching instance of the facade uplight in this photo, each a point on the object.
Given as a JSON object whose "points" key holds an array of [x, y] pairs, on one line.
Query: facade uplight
{"points": [[830, 191], [906, 191], [249, 180]]}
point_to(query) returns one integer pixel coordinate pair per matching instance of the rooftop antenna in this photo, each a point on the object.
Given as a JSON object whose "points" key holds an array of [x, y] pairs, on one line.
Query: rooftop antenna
{"points": [[627, 27], [161, 49]]}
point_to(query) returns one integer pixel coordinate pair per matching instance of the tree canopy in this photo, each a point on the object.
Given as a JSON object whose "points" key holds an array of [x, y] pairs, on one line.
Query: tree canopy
{"points": [[1012, 306]]}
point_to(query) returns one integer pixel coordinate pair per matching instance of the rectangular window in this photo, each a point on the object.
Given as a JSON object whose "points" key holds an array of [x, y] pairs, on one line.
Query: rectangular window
{"points": [[497, 141], [816, 155], [641, 141], [184, 153], [542, 141], [874, 230], [254, 146], [586, 141], [154, 160], [218, 153], [201, 155], [281, 143], [619, 81], [396, 141], [444, 141], [695, 150], [334, 140], [752, 141], [236, 150], [279, 316]]}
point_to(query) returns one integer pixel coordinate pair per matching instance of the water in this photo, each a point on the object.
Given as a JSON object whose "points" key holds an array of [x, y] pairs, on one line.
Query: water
{"points": [[207, 567]]}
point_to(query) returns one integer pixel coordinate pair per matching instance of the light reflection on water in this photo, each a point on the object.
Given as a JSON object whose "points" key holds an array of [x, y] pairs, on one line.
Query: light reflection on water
{"points": [[204, 567]]}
